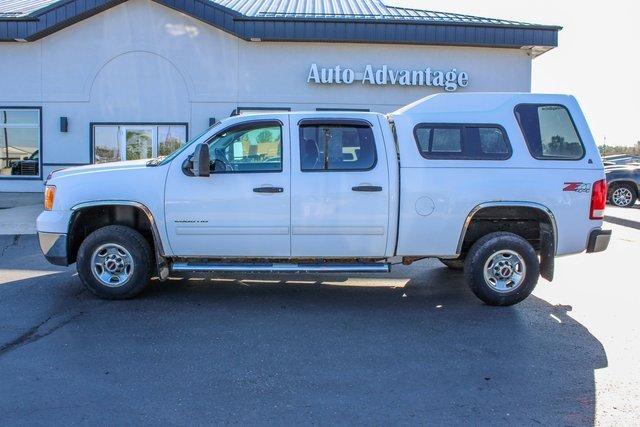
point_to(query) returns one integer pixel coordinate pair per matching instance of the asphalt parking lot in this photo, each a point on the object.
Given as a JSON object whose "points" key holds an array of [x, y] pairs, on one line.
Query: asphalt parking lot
{"points": [[413, 347]]}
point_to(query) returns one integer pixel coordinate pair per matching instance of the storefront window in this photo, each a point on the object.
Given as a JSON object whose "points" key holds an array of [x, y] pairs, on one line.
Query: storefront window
{"points": [[116, 142], [19, 142]]}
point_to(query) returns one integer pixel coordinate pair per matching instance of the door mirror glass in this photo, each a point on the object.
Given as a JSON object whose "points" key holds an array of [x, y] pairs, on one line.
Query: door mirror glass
{"points": [[200, 161]]}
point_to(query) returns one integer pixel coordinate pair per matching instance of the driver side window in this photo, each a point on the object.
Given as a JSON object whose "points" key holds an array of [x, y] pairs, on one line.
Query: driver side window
{"points": [[250, 147]]}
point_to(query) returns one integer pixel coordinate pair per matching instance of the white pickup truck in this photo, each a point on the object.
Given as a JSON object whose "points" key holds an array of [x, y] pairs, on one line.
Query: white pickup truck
{"points": [[497, 184]]}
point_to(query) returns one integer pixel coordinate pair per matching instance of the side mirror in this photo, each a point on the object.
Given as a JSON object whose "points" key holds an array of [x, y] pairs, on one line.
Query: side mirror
{"points": [[201, 161]]}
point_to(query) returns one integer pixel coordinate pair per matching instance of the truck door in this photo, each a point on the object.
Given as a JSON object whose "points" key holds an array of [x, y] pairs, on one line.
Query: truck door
{"points": [[242, 210], [339, 188]]}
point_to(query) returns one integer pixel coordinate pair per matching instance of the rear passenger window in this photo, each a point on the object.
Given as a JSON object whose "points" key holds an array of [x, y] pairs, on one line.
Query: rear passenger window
{"points": [[549, 132], [462, 142], [336, 147]]}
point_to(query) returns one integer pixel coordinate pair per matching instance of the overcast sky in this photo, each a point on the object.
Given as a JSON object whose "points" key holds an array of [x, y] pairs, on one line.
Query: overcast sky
{"points": [[598, 58]]}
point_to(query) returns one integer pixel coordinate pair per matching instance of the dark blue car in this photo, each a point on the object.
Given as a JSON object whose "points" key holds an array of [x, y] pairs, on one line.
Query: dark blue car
{"points": [[623, 185]]}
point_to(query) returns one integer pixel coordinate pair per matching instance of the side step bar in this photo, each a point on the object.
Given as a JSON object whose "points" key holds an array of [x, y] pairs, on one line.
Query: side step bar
{"points": [[282, 267]]}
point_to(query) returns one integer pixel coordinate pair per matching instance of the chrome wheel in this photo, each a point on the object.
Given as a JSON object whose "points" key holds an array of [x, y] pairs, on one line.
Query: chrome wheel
{"points": [[112, 265], [622, 196], [504, 271]]}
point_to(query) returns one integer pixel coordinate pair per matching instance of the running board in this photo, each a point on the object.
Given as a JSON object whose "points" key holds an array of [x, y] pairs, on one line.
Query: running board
{"points": [[282, 267]]}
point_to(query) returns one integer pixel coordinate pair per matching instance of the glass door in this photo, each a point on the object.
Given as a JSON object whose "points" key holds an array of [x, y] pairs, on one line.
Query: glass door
{"points": [[139, 142]]}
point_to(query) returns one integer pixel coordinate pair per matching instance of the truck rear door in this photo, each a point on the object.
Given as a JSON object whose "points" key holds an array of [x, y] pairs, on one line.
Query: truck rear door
{"points": [[339, 188]]}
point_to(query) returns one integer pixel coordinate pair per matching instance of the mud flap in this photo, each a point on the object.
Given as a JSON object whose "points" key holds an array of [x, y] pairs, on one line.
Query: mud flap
{"points": [[547, 251]]}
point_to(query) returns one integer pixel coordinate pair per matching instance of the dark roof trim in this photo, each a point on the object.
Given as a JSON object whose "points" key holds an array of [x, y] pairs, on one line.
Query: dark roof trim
{"points": [[392, 20], [18, 18], [302, 29]]}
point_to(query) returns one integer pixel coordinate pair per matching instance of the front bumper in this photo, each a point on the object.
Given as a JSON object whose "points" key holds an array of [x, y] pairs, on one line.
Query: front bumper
{"points": [[54, 247], [598, 240]]}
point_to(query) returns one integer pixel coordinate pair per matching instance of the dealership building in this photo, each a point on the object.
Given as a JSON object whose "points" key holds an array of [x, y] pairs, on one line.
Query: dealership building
{"points": [[88, 81]]}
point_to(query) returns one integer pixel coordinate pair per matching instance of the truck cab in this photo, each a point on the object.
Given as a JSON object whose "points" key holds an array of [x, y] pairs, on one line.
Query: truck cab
{"points": [[287, 186], [497, 184]]}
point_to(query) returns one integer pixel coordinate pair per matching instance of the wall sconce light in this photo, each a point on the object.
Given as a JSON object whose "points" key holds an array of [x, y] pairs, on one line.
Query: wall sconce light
{"points": [[64, 124], [212, 121]]}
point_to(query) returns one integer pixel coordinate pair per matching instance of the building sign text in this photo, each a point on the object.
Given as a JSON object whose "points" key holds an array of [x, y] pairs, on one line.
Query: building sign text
{"points": [[449, 80]]}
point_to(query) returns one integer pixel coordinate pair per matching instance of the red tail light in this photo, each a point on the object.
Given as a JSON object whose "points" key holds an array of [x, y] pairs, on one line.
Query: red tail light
{"points": [[598, 199]]}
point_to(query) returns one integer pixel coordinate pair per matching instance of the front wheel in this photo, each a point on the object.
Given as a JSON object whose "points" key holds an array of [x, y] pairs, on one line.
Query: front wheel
{"points": [[114, 262], [502, 268]]}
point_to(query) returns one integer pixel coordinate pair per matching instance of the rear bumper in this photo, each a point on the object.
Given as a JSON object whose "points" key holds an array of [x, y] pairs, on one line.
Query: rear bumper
{"points": [[598, 240], [54, 247]]}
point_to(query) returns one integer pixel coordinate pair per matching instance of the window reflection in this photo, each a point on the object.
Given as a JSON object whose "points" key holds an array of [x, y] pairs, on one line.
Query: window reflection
{"points": [[549, 132], [252, 148], [19, 142], [116, 142]]}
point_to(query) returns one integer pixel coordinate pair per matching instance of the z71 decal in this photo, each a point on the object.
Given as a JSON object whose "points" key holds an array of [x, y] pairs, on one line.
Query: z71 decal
{"points": [[578, 187]]}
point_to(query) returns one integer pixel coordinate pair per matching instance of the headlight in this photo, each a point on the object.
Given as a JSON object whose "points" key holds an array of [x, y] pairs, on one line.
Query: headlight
{"points": [[49, 196]]}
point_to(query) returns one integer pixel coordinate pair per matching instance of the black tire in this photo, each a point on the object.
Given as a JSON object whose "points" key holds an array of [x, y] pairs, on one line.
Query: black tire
{"points": [[484, 249], [139, 255], [453, 264], [629, 190]]}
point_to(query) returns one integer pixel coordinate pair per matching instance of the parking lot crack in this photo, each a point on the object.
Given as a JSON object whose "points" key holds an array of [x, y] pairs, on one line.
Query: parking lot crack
{"points": [[14, 241], [37, 332]]}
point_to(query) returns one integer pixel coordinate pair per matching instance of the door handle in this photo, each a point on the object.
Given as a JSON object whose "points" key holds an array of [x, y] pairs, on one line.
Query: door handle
{"points": [[268, 190], [367, 188]]}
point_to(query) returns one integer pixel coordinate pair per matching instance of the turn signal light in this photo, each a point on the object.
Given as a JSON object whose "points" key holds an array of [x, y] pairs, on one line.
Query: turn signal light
{"points": [[598, 199], [49, 196]]}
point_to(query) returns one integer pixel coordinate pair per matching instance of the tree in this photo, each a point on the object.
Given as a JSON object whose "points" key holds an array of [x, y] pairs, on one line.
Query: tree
{"points": [[264, 136], [169, 146], [608, 150]]}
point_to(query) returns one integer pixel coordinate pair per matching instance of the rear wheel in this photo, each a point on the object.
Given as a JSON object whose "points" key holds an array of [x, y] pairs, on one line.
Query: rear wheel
{"points": [[502, 268], [115, 262], [622, 195]]}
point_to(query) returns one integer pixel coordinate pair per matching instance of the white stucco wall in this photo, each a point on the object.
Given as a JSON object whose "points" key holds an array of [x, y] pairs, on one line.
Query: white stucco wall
{"points": [[143, 62]]}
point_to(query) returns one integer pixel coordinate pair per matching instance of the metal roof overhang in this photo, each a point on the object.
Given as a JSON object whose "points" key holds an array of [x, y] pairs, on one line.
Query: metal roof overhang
{"points": [[536, 38]]}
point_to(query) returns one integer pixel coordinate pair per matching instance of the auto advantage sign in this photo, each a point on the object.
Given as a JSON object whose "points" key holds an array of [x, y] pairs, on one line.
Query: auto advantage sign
{"points": [[450, 80]]}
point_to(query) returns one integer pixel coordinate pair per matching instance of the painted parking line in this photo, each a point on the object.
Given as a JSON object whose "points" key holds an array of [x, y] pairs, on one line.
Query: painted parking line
{"points": [[623, 222]]}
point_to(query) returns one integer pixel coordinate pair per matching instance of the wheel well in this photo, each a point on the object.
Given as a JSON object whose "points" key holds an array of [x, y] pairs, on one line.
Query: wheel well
{"points": [[530, 223], [86, 220], [615, 184]]}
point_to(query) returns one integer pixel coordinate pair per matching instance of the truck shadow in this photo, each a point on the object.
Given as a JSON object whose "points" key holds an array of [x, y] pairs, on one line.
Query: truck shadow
{"points": [[428, 349], [411, 347]]}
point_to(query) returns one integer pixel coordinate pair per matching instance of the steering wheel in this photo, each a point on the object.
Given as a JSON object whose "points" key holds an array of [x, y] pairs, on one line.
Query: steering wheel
{"points": [[219, 155]]}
